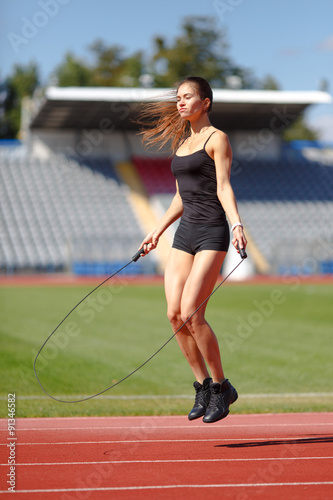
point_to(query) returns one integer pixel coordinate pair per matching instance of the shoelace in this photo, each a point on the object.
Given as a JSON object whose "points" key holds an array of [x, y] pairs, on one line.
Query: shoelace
{"points": [[215, 399], [199, 397]]}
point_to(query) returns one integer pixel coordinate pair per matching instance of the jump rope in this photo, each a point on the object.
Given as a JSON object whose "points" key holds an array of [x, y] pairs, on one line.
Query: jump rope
{"points": [[135, 257]]}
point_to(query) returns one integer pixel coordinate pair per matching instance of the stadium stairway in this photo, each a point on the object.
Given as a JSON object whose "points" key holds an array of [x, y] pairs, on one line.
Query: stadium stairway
{"points": [[286, 205], [141, 206], [66, 214], [159, 184]]}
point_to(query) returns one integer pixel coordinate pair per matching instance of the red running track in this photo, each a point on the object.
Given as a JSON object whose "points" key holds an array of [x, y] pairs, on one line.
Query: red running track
{"points": [[267, 456]]}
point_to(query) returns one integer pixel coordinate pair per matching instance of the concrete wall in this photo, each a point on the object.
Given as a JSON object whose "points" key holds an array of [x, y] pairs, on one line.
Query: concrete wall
{"points": [[255, 144], [120, 145]]}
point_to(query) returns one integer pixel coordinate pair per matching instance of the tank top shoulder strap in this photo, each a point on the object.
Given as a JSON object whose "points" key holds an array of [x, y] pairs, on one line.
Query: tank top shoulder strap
{"points": [[204, 146]]}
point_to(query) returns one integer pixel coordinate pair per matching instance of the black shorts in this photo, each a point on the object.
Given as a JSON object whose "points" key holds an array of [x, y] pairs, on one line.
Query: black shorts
{"points": [[193, 238]]}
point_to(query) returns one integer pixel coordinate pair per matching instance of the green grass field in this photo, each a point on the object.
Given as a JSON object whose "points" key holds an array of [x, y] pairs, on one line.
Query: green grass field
{"points": [[276, 343]]}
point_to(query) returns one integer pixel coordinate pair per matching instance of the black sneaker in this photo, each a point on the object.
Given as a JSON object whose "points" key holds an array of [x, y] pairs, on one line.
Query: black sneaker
{"points": [[222, 396], [202, 398]]}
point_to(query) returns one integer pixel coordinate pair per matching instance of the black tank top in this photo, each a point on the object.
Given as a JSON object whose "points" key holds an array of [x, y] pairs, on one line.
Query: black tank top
{"points": [[197, 184]]}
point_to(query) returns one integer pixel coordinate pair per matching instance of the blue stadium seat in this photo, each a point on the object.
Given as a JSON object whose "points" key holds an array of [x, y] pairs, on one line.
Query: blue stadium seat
{"points": [[73, 214], [286, 204], [47, 206]]}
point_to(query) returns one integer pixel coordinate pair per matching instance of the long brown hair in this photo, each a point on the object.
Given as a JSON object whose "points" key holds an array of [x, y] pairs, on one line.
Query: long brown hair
{"points": [[160, 121]]}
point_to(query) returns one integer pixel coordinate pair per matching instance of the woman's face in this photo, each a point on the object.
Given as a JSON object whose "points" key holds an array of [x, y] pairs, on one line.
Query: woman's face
{"points": [[189, 103]]}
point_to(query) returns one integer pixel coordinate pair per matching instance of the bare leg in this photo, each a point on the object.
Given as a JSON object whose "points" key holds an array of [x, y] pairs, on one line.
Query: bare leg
{"points": [[199, 284], [177, 271]]}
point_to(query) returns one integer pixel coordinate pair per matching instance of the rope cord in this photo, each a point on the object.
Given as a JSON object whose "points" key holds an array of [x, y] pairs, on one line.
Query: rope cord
{"points": [[134, 259]]}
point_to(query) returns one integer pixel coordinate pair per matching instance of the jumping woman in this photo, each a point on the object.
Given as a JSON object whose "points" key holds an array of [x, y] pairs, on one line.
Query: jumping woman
{"points": [[201, 165]]}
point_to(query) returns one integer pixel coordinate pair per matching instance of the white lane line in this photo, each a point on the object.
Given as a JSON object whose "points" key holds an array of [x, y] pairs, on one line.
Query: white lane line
{"points": [[124, 462], [175, 486], [194, 440], [148, 428]]}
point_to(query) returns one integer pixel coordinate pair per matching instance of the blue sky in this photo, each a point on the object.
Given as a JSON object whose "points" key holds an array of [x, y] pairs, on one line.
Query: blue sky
{"points": [[292, 40]]}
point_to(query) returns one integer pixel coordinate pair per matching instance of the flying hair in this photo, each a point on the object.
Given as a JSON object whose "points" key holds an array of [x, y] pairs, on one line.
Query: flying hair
{"points": [[161, 124]]}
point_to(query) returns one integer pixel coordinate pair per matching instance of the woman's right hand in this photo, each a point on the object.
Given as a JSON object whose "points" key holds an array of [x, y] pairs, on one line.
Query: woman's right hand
{"points": [[150, 242]]}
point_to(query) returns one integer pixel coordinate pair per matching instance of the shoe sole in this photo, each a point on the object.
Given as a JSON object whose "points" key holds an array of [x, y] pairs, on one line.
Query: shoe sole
{"points": [[197, 416], [201, 414]]}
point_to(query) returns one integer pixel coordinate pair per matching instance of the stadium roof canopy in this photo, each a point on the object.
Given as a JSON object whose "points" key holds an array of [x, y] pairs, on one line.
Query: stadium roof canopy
{"points": [[95, 107]]}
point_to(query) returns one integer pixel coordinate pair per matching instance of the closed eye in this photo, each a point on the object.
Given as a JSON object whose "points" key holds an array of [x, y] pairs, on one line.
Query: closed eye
{"points": [[186, 96]]}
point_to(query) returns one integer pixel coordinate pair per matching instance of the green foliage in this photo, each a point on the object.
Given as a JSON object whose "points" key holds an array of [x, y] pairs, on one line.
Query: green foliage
{"points": [[201, 49], [24, 80], [73, 73], [299, 130], [108, 66], [269, 83], [22, 83], [132, 69]]}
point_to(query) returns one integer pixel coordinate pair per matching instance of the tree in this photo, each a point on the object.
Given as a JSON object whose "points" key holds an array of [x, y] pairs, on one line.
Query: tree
{"points": [[201, 50], [132, 70], [107, 67], [111, 68], [299, 130], [269, 83], [21, 83], [73, 73], [24, 79]]}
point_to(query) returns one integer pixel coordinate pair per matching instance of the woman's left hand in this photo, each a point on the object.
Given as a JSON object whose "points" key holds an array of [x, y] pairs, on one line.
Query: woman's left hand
{"points": [[239, 238]]}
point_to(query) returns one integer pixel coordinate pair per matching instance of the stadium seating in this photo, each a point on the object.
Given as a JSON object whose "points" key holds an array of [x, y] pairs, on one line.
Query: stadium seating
{"points": [[286, 205], [155, 174], [65, 214], [73, 215]]}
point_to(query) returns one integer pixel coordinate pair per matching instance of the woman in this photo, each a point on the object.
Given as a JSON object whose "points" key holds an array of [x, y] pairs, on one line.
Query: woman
{"points": [[201, 166]]}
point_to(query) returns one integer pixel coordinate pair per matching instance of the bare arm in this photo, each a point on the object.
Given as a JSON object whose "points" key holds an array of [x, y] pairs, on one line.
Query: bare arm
{"points": [[173, 213], [223, 157]]}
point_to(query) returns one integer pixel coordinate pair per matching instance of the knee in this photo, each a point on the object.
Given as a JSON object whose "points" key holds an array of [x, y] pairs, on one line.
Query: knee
{"points": [[192, 319], [174, 317]]}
